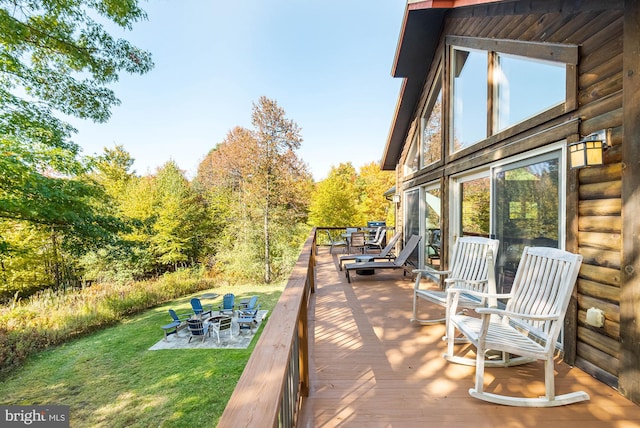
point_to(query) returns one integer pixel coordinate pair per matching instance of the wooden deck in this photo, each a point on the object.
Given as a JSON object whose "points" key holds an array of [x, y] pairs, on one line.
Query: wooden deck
{"points": [[371, 367]]}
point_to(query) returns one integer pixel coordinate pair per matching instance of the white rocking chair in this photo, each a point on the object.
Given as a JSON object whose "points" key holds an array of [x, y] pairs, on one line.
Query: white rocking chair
{"points": [[528, 327], [469, 269]]}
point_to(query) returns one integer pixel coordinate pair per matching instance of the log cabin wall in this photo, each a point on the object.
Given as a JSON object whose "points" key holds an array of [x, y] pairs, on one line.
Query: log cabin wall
{"points": [[594, 217]]}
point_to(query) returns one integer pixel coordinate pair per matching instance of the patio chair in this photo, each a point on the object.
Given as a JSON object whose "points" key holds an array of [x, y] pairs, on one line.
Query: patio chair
{"points": [[248, 304], [228, 304], [223, 324], [470, 267], [377, 240], [336, 243], [398, 263], [197, 328], [357, 242], [528, 327], [199, 310], [385, 254], [178, 323]]}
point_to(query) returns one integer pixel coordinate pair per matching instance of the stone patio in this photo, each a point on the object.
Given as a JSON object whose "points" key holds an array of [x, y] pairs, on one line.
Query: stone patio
{"points": [[237, 340]]}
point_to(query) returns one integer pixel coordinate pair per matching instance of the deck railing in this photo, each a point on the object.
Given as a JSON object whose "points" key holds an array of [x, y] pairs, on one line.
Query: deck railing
{"points": [[276, 376]]}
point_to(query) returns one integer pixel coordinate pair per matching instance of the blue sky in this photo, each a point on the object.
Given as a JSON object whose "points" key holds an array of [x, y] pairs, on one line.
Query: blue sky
{"points": [[326, 63]]}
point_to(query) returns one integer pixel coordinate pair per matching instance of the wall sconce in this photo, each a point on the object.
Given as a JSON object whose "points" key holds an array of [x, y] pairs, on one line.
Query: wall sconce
{"points": [[395, 198], [589, 151]]}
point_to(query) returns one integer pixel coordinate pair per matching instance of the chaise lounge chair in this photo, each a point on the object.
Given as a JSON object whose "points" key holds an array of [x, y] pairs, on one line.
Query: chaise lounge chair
{"points": [[398, 263], [385, 254]]}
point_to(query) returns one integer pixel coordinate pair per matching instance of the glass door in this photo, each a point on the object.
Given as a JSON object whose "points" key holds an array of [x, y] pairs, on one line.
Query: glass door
{"points": [[526, 210]]}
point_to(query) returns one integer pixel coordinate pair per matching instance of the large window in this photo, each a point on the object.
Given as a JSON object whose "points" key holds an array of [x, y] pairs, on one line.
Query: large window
{"points": [[496, 85], [469, 97], [526, 87], [412, 161], [431, 125]]}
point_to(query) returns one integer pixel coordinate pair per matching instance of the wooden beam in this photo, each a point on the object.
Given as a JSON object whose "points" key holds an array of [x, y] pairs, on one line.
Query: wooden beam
{"points": [[629, 377]]}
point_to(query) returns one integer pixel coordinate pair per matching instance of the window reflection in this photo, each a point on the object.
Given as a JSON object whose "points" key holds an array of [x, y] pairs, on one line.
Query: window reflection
{"points": [[526, 87], [469, 97]]}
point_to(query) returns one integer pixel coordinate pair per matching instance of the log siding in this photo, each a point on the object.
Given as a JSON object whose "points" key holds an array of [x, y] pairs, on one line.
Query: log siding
{"points": [[597, 214]]}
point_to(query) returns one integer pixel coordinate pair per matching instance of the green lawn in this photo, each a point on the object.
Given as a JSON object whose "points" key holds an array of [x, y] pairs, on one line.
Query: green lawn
{"points": [[111, 379]]}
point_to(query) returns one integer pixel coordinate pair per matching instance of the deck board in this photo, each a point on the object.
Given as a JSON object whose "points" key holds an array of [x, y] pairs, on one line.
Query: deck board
{"points": [[371, 367]]}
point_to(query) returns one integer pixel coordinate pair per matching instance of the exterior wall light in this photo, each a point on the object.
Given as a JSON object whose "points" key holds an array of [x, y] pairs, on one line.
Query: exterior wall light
{"points": [[396, 198], [589, 151]]}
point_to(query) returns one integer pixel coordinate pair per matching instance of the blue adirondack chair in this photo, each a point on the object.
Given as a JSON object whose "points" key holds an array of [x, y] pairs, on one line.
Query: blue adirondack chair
{"points": [[228, 304], [198, 309]]}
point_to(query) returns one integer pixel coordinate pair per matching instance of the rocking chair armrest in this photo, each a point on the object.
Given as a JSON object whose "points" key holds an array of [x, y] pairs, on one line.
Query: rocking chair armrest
{"points": [[432, 271], [511, 314], [450, 282], [479, 294]]}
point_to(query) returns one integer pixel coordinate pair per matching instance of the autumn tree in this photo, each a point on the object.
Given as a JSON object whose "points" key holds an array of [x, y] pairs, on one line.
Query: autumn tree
{"points": [[258, 174], [335, 199], [372, 183]]}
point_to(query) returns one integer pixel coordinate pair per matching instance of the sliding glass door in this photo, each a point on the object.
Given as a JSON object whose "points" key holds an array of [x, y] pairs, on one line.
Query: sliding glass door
{"points": [[518, 202], [526, 210]]}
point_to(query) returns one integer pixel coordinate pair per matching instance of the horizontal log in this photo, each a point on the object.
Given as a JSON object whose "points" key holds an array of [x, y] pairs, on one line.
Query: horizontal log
{"points": [[602, 224], [602, 174], [597, 372], [605, 292], [600, 71], [611, 311], [607, 190], [600, 274], [602, 98], [604, 241], [599, 341], [594, 124], [596, 207], [598, 358], [613, 154], [599, 257], [610, 328]]}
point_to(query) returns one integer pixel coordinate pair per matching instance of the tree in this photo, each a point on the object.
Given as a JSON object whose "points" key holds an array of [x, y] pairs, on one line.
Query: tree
{"points": [[56, 59], [180, 218], [335, 199], [261, 188], [372, 184], [275, 168]]}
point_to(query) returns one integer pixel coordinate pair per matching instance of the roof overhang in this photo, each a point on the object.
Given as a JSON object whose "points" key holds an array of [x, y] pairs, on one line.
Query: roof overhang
{"points": [[417, 43]]}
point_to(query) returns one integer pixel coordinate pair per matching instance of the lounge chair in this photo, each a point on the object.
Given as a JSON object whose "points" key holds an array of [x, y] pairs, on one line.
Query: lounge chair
{"points": [[527, 328], [398, 263], [385, 254]]}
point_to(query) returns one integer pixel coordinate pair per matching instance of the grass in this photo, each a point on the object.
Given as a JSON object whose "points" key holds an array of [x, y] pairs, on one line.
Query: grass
{"points": [[111, 379]]}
